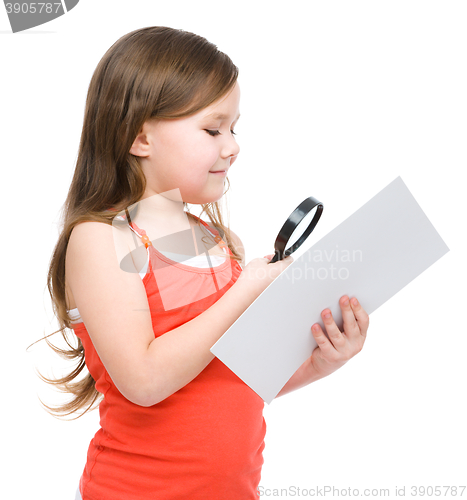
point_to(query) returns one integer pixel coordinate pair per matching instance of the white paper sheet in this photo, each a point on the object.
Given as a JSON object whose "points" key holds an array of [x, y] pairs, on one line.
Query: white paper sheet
{"points": [[372, 255]]}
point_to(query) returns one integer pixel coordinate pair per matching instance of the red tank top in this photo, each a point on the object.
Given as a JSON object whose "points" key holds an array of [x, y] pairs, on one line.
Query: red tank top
{"points": [[206, 440]]}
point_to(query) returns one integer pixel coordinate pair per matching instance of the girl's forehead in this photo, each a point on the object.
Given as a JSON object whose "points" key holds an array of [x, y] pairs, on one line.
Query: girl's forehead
{"points": [[225, 108], [216, 115]]}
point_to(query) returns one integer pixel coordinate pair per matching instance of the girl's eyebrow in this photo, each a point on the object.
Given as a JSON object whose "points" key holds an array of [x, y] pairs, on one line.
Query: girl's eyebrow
{"points": [[220, 116]]}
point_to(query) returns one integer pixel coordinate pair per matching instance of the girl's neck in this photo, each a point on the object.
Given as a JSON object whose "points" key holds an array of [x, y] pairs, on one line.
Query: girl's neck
{"points": [[162, 214]]}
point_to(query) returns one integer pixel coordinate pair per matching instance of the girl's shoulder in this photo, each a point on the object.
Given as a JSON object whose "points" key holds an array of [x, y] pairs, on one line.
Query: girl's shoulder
{"points": [[94, 232], [92, 243]]}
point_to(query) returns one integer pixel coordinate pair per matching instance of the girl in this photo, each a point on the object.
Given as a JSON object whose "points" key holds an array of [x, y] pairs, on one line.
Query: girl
{"points": [[128, 275]]}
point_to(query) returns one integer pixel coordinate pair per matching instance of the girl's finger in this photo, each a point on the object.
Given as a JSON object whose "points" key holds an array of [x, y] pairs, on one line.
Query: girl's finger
{"points": [[351, 327], [361, 316], [335, 335], [327, 349]]}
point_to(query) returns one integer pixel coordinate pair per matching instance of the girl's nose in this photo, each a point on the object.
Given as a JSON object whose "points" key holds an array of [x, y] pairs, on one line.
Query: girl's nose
{"points": [[231, 148]]}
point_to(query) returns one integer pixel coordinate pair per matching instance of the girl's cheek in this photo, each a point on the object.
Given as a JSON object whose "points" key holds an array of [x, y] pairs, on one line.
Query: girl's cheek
{"points": [[207, 155], [198, 149]]}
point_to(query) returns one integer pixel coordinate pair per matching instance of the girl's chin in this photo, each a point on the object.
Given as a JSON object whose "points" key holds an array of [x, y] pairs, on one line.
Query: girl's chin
{"points": [[204, 200]]}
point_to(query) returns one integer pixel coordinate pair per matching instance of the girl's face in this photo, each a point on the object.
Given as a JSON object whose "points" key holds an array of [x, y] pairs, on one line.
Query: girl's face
{"points": [[185, 153]]}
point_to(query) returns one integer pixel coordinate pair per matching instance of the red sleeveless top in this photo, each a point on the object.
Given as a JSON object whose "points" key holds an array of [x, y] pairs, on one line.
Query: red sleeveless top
{"points": [[206, 440]]}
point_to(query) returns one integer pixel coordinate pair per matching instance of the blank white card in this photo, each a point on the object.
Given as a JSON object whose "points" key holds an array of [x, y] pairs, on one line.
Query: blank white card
{"points": [[372, 255]]}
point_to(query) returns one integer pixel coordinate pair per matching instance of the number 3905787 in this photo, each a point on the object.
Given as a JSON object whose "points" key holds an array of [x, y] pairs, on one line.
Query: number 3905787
{"points": [[33, 8]]}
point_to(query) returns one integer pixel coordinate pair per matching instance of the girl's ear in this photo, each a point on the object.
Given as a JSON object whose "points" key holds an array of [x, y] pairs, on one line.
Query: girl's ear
{"points": [[140, 146]]}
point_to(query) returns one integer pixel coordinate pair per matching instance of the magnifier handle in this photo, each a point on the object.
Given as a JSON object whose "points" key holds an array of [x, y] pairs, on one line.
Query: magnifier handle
{"points": [[274, 259], [277, 257]]}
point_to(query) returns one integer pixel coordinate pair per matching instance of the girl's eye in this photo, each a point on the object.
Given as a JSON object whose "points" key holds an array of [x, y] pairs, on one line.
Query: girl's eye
{"points": [[216, 132]]}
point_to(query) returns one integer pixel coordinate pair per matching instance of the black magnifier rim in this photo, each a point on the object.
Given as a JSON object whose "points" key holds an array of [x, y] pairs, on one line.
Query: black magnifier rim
{"points": [[291, 224]]}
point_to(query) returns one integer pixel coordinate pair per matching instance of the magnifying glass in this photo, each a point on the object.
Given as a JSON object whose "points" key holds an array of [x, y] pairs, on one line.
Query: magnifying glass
{"points": [[297, 228]]}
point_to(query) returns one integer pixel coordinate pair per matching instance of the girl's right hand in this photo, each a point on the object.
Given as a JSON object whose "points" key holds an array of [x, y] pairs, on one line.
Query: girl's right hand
{"points": [[258, 274]]}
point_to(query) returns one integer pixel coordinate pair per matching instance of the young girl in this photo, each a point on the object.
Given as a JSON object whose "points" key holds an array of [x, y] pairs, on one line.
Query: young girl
{"points": [[175, 422]]}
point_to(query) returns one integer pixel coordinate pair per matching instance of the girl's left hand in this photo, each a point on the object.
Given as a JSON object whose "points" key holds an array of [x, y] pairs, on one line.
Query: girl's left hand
{"points": [[335, 351]]}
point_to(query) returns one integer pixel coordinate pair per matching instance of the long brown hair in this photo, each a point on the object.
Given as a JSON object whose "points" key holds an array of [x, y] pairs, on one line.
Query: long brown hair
{"points": [[151, 73]]}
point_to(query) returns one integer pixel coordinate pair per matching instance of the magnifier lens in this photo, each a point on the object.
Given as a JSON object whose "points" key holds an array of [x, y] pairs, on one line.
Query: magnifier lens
{"points": [[302, 227]]}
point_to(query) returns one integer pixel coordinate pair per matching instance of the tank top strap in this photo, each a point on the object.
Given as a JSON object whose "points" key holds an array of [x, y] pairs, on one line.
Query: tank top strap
{"points": [[140, 232], [215, 232]]}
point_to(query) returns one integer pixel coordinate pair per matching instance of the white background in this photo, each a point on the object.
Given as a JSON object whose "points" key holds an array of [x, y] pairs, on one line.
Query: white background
{"points": [[338, 99]]}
